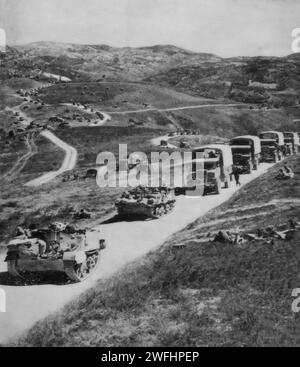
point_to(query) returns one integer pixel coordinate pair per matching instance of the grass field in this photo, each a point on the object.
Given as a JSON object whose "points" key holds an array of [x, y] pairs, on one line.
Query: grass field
{"points": [[91, 141], [122, 96], [57, 200], [204, 294]]}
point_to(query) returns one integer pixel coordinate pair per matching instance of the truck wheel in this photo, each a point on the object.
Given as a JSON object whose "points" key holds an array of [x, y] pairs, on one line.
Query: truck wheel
{"points": [[218, 187]]}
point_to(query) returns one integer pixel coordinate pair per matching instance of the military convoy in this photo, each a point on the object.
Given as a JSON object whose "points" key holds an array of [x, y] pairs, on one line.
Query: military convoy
{"points": [[63, 248], [146, 202], [243, 154], [58, 248], [246, 152]]}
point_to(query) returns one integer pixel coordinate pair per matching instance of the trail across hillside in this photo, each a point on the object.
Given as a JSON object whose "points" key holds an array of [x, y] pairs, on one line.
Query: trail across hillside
{"points": [[68, 163], [127, 241], [21, 162], [153, 109], [18, 109]]}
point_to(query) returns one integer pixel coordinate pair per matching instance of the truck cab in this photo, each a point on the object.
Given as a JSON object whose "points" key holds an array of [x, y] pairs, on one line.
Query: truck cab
{"points": [[272, 146], [291, 141], [217, 166], [246, 152]]}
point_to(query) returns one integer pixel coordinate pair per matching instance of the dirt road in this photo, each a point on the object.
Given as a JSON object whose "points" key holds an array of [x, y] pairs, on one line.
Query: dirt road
{"points": [[21, 162], [153, 109], [68, 163], [126, 241], [18, 109]]}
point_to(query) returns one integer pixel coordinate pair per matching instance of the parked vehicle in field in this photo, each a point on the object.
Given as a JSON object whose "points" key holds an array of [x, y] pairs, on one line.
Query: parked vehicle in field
{"points": [[163, 143], [58, 248], [246, 152], [292, 143], [212, 167], [272, 146], [146, 202]]}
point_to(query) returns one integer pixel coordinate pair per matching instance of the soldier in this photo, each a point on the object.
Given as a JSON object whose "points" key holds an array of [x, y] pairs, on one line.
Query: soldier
{"points": [[288, 171], [236, 175]]}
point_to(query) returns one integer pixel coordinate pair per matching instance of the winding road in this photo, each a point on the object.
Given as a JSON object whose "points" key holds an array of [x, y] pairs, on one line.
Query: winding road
{"points": [[127, 241], [153, 109], [21, 162], [68, 163]]}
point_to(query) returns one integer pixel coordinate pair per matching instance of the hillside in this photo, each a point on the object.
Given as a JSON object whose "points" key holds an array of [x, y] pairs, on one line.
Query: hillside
{"points": [[194, 292], [271, 81], [174, 82], [95, 62]]}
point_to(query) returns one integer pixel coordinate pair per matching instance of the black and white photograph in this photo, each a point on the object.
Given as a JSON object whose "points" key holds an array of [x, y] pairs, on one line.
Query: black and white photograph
{"points": [[150, 176]]}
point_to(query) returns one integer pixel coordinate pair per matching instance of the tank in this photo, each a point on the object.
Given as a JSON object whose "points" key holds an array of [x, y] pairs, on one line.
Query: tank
{"points": [[75, 252], [146, 202]]}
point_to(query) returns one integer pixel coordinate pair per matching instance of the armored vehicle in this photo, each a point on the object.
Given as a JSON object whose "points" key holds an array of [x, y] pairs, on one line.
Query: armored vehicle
{"points": [[146, 202], [246, 152], [58, 248]]}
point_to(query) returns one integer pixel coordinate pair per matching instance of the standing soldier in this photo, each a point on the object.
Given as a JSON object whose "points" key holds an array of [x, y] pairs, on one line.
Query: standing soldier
{"points": [[236, 175]]}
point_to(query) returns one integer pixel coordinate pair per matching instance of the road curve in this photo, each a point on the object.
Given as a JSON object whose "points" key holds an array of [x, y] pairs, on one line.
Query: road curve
{"points": [[127, 241], [68, 163]]}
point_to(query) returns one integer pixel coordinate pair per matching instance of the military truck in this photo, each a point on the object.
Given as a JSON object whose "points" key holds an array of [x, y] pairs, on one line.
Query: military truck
{"points": [[291, 141], [57, 248], [246, 152], [212, 167], [272, 146]]}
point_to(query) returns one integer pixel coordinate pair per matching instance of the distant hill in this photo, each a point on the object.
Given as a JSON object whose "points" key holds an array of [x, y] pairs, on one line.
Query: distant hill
{"points": [[252, 80], [242, 79], [97, 61]]}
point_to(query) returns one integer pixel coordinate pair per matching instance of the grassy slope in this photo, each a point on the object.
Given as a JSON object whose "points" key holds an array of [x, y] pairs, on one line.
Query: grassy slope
{"points": [[203, 294], [95, 61], [20, 205], [230, 78], [232, 121], [108, 94]]}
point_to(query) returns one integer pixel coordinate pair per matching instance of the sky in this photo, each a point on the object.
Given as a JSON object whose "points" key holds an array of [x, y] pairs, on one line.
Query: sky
{"points": [[223, 27]]}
